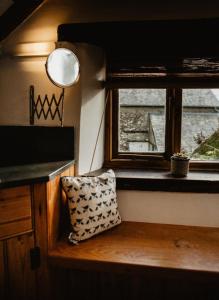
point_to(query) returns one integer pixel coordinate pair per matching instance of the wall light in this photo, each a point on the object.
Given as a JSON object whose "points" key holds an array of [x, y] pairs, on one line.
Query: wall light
{"points": [[62, 68], [36, 49]]}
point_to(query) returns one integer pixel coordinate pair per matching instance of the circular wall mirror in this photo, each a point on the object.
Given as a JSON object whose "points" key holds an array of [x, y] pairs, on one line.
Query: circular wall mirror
{"points": [[62, 67]]}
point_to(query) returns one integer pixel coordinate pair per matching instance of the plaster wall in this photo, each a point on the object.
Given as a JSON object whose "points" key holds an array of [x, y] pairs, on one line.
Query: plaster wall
{"points": [[83, 103], [91, 144], [170, 208]]}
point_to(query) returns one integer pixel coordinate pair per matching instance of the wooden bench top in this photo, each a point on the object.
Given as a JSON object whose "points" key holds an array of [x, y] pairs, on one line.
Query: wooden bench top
{"points": [[135, 246]]}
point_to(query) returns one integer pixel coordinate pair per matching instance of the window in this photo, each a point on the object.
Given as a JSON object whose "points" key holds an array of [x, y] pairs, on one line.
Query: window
{"points": [[200, 124], [146, 125], [141, 120]]}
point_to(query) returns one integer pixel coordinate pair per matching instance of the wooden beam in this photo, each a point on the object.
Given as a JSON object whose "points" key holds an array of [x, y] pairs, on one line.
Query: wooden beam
{"points": [[169, 39], [16, 14]]}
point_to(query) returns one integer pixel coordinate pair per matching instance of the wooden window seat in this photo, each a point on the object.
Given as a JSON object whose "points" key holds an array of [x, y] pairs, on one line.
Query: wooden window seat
{"points": [[133, 261], [144, 247]]}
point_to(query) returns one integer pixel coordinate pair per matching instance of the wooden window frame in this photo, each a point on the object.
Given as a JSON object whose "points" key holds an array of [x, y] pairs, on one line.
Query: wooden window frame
{"points": [[115, 159]]}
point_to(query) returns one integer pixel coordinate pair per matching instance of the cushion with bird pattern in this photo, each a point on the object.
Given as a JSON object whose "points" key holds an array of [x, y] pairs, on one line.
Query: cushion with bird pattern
{"points": [[92, 204]]}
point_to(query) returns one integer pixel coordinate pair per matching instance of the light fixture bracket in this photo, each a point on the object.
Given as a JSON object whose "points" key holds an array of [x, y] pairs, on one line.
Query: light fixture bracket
{"points": [[46, 107]]}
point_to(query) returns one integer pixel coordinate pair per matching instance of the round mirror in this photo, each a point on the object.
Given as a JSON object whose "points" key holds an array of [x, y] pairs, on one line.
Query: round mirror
{"points": [[62, 67]]}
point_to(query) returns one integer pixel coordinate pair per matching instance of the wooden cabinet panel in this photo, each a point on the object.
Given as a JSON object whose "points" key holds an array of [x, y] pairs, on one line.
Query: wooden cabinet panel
{"points": [[6, 230], [15, 211], [2, 272], [21, 279], [40, 222], [57, 209], [48, 219]]}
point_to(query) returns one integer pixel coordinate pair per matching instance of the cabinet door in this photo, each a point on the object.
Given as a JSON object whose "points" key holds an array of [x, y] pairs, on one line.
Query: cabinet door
{"points": [[2, 272], [21, 279], [15, 211]]}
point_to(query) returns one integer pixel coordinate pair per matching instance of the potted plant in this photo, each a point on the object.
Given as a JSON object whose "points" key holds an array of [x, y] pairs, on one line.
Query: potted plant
{"points": [[180, 164]]}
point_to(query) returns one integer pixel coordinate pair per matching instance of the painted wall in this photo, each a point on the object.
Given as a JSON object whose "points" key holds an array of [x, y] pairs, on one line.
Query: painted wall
{"points": [[84, 101], [170, 208], [92, 107]]}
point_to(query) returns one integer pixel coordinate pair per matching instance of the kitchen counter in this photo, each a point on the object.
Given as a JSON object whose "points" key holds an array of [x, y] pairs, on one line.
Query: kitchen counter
{"points": [[31, 173]]}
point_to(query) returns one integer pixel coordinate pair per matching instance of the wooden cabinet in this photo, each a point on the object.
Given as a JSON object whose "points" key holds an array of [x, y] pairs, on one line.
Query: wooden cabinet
{"points": [[15, 211], [21, 278], [49, 219], [2, 272], [18, 280], [24, 232]]}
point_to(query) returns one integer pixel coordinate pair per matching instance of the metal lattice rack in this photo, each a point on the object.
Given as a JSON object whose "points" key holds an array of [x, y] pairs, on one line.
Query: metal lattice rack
{"points": [[46, 107]]}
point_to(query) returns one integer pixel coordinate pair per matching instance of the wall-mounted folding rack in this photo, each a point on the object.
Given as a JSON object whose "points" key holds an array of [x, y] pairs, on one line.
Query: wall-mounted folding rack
{"points": [[45, 107]]}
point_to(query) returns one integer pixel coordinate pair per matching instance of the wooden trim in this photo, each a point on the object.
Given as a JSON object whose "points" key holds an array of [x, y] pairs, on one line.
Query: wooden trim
{"points": [[115, 122], [137, 163], [15, 228], [17, 234], [108, 130], [169, 130], [57, 209], [2, 271], [204, 165], [177, 119], [211, 81], [115, 159], [39, 191]]}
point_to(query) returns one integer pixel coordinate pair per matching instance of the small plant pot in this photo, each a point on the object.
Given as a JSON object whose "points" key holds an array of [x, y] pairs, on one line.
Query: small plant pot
{"points": [[179, 168]]}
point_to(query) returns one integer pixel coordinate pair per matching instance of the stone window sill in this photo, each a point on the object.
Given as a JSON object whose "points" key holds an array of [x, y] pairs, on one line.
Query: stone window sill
{"points": [[157, 180]]}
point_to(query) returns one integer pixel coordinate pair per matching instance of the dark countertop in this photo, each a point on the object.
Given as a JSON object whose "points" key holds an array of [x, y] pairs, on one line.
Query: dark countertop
{"points": [[31, 173]]}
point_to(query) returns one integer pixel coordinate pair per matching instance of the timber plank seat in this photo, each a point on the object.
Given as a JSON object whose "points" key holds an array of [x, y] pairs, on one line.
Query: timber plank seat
{"points": [[144, 247]]}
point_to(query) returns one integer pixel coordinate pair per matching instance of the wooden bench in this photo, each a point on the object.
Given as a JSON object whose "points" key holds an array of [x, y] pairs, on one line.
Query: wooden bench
{"points": [[134, 259], [144, 247]]}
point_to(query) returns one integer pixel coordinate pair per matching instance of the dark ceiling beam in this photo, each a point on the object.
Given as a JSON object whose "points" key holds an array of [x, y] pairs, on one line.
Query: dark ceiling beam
{"points": [[151, 46], [16, 14], [171, 39]]}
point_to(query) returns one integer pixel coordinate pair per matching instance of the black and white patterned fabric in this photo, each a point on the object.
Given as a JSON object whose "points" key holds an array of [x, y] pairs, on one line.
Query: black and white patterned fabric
{"points": [[92, 204]]}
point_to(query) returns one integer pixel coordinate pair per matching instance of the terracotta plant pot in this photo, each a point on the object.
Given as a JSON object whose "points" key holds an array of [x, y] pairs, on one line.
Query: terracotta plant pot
{"points": [[179, 168]]}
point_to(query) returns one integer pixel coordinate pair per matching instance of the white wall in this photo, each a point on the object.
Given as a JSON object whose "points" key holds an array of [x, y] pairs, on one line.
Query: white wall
{"points": [[89, 107], [16, 76], [92, 107], [83, 103], [170, 208]]}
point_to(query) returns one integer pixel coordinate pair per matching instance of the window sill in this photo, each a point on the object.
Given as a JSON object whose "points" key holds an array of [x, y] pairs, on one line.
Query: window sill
{"points": [[154, 180]]}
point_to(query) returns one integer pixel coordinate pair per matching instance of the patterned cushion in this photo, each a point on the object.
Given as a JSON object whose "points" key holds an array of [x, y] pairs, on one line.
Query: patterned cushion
{"points": [[92, 204]]}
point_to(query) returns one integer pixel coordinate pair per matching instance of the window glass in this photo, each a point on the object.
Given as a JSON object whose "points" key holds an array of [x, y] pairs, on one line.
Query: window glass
{"points": [[142, 120], [200, 123]]}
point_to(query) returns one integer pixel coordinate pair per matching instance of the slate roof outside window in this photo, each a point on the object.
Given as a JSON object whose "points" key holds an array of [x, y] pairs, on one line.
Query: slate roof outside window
{"points": [[201, 115]]}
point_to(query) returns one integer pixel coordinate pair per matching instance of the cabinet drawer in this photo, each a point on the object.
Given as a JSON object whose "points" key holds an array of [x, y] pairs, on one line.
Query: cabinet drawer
{"points": [[15, 211]]}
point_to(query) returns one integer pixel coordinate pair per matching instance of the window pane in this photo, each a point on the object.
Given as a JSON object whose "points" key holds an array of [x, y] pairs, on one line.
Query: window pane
{"points": [[142, 120], [200, 120]]}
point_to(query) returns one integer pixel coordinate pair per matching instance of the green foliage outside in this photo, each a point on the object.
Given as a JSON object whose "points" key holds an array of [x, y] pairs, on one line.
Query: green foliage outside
{"points": [[208, 148]]}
